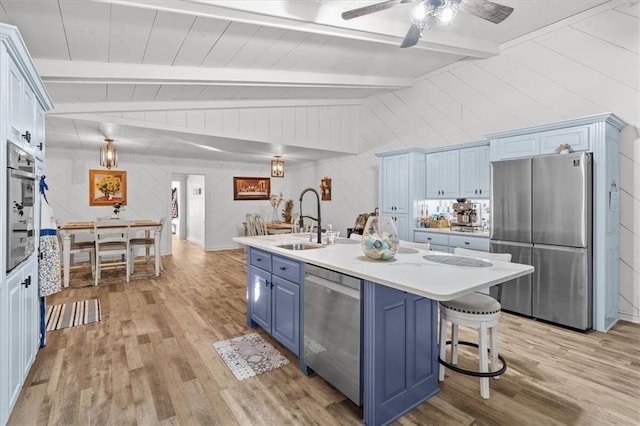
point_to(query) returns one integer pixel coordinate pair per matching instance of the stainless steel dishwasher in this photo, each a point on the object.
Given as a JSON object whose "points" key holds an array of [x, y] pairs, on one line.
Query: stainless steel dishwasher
{"points": [[332, 328]]}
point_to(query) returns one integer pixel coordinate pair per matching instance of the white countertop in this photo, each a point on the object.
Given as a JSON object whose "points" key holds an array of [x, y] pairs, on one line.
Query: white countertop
{"points": [[407, 272], [481, 234]]}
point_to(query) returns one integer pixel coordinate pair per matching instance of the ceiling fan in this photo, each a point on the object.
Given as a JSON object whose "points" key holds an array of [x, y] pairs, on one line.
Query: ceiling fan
{"points": [[429, 13]]}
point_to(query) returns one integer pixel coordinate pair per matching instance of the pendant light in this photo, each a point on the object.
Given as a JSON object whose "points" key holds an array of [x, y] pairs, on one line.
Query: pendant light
{"points": [[277, 167], [108, 155]]}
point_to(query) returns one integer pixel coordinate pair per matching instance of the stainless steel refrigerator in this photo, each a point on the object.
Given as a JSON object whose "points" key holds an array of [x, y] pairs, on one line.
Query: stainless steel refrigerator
{"points": [[541, 213]]}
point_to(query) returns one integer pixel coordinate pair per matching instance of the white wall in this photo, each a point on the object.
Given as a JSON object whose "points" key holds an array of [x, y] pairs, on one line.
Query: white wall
{"points": [[149, 191]]}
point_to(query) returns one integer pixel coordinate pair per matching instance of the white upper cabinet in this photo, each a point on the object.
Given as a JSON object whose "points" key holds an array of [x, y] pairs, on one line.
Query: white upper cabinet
{"points": [[540, 143], [518, 147], [401, 183], [443, 174], [15, 110], [37, 139], [395, 184], [475, 172], [576, 137]]}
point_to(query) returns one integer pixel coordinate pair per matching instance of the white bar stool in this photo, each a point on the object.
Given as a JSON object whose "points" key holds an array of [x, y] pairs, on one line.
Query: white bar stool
{"points": [[479, 311]]}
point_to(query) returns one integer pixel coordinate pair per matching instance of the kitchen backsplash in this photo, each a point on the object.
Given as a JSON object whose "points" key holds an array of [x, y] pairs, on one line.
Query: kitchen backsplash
{"points": [[444, 208]]}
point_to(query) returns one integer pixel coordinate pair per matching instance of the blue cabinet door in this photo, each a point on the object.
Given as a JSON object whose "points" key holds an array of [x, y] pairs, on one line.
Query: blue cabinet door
{"points": [[259, 302], [400, 360], [286, 313]]}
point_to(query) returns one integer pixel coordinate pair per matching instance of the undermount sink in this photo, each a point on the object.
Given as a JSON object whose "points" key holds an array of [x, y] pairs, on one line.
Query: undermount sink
{"points": [[299, 246]]}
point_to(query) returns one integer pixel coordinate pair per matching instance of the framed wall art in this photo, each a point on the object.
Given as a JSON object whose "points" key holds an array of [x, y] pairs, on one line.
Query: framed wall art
{"points": [[251, 188], [107, 187]]}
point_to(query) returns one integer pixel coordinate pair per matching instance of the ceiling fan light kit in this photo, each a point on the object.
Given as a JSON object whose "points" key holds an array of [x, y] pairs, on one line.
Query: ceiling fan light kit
{"points": [[430, 13], [443, 10]]}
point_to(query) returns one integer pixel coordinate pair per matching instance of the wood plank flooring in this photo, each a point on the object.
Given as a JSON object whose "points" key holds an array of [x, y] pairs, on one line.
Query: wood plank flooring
{"points": [[151, 362]]}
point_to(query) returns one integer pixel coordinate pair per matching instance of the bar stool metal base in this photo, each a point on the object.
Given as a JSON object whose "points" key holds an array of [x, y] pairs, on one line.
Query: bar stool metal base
{"points": [[471, 372]]}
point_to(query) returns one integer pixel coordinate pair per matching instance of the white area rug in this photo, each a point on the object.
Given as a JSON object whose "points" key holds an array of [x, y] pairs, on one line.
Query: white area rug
{"points": [[249, 355]]}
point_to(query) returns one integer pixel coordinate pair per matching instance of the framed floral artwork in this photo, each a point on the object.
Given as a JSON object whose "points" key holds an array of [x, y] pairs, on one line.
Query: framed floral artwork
{"points": [[251, 188], [107, 187]]}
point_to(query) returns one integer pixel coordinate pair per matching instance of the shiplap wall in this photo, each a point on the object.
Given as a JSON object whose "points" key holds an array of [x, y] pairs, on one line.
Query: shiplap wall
{"points": [[586, 67], [335, 128]]}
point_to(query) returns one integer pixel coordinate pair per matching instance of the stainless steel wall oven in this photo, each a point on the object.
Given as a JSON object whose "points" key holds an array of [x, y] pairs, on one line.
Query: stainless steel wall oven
{"points": [[21, 183]]}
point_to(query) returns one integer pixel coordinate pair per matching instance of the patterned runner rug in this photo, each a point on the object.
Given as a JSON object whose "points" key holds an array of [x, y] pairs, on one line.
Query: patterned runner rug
{"points": [[249, 355], [73, 314]]}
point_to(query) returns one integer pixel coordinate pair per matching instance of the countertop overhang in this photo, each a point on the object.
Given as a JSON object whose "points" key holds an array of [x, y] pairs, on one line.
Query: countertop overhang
{"points": [[406, 272]]}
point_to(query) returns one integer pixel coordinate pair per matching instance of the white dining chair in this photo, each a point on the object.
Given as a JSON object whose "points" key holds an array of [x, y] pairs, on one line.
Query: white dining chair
{"points": [[295, 223], [259, 225], [112, 246], [481, 312], [79, 247], [248, 224], [148, 243]]}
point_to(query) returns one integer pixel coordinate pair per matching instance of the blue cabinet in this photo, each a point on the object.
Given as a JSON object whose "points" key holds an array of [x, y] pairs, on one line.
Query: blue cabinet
{"points": [[400, 357], [273, 292], [285, 324], [259, 305]]}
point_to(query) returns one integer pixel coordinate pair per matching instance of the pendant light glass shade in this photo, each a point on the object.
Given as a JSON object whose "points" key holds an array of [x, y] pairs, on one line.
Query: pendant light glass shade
{"points": [[108, 155], [277, 167]]}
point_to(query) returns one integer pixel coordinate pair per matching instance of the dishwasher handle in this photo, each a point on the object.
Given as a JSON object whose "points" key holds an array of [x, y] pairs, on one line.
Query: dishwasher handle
{"points": [[333, 286]]}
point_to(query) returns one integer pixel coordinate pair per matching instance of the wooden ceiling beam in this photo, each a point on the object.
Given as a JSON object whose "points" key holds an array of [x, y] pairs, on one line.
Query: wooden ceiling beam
{"points": [[57, 71], [372, 30], [65, 108]]}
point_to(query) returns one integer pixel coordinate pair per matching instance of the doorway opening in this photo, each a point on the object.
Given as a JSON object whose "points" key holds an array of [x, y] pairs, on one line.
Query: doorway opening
{"points": [[188, 207]]}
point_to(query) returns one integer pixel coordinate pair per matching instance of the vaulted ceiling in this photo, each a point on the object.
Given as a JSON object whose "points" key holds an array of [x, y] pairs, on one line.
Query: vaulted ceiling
{"points": [[102, 58]]}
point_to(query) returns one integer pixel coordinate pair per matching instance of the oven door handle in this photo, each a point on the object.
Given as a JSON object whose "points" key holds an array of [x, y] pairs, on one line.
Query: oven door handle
{"points": [[21, 174]]}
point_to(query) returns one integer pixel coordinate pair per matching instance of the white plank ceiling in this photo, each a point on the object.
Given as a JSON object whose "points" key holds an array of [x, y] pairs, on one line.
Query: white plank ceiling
{"points": [[104, 60]]}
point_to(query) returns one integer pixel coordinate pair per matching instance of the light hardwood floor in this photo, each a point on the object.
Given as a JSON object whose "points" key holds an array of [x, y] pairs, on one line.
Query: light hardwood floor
{"points": [[151, 361]]}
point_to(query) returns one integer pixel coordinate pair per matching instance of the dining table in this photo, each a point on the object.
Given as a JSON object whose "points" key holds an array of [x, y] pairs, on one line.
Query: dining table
{"points": [[70, 228]]}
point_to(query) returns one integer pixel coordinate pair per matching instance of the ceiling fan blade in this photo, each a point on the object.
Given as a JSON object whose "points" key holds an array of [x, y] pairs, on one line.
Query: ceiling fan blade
{"points": [[485, 9], [366, 10], [412, 37]]}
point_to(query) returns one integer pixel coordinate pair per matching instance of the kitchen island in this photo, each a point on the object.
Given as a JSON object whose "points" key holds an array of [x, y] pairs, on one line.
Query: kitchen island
{"points": [[399, 350]]}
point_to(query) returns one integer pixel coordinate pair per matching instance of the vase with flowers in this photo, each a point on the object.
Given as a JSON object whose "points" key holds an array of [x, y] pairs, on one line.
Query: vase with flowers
{"points": [[275, 200], [118, 208]]}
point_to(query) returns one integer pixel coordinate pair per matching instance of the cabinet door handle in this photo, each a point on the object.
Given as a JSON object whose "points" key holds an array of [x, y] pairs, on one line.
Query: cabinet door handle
{"points": [[27, 282], [271, 284], [40, 146], [476, 191], [428, 238], [480, 191], [258, 259], [266, 282], [466, 243], [283, 268], [27, 136]]}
